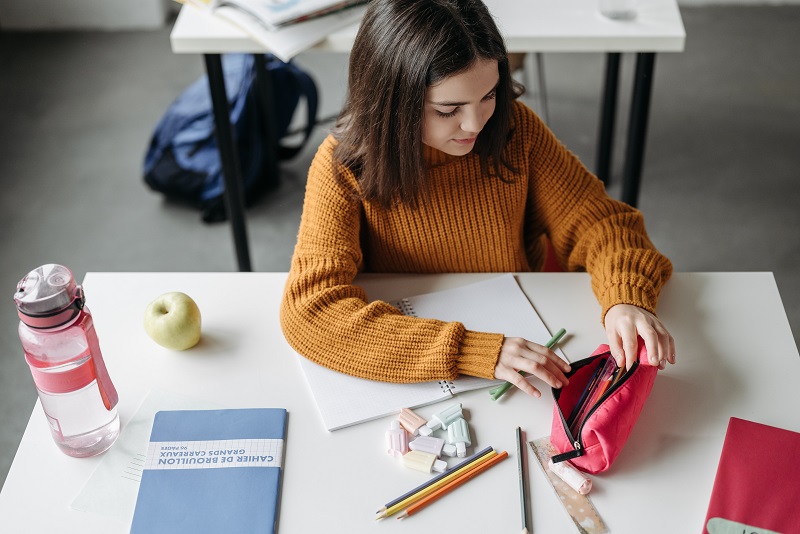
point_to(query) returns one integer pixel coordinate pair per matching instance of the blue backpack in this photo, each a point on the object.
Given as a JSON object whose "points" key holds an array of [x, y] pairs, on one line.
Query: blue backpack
{"points": [[183, 161]]}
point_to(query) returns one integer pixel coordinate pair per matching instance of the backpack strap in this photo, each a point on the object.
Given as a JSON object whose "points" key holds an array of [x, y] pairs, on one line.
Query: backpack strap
{"points": [[308, 89]]}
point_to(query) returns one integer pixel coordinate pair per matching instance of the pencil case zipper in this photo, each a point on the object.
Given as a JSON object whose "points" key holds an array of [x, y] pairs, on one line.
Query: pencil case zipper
{"points": [[577, 443]]}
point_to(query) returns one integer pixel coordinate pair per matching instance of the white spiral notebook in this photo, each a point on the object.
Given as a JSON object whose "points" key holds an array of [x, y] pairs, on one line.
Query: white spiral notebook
{"points": [[494, 305]]}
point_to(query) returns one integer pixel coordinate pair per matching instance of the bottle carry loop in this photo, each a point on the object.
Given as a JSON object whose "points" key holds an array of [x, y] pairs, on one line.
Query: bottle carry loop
{"points": [[107, 390]]}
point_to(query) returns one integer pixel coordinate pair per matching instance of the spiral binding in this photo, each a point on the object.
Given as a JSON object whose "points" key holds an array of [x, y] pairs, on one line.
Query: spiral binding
{"points": [[405, 307], [447, 385]]}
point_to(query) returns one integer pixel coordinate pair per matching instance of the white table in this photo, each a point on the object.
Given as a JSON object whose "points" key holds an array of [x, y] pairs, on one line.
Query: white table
{"points": [[736, 357], [527, 26]]}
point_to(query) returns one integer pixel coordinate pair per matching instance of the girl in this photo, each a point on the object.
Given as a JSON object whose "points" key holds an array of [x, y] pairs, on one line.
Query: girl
{"points": [[434, 167]]}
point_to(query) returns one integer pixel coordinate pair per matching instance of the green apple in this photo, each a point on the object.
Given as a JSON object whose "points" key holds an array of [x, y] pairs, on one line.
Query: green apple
{"points": [[173, 321]]}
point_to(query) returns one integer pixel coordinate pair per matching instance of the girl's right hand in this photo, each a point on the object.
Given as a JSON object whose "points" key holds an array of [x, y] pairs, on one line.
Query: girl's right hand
{"points": [[518, 354]]}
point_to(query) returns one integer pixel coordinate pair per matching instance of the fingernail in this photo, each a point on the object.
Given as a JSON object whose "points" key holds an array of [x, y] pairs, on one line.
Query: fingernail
{"points": [[558, 385], [653, 360]]}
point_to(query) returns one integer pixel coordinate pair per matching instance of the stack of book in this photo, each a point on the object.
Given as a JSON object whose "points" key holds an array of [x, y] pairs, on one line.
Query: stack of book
{"points": [[285, 27]]}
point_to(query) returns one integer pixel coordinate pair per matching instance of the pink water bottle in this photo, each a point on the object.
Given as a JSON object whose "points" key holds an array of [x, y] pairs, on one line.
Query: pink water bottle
{"points": [[63, 352]]}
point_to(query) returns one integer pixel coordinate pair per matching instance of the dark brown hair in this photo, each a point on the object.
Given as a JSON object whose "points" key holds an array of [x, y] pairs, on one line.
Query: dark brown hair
{"points": [[402, 48]]}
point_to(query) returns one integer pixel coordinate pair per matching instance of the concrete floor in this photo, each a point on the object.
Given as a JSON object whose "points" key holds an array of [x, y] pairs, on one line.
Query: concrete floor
{"points": [[720, 190]]}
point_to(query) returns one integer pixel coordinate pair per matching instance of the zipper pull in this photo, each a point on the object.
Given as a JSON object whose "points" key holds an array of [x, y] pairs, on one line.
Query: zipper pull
{"points": [[576, 445]]}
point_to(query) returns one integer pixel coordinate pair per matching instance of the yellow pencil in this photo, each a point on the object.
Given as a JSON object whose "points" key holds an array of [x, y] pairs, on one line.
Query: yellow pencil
{"points": [[447, 488], [433, 487]]}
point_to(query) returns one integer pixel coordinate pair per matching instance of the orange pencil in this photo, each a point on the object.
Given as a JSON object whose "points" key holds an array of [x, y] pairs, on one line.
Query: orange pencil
{"points": [[456, 482]]}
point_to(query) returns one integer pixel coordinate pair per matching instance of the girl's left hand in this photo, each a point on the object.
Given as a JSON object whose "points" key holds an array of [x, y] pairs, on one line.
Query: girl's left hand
{"points": [[624, 323]]}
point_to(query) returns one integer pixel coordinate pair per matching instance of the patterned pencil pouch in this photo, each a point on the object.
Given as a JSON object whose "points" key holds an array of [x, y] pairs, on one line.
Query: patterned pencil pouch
{"points": [[594, 415]]}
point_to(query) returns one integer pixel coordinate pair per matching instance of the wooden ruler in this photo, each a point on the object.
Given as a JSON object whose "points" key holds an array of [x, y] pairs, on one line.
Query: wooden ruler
{"points": [[579, 507]]}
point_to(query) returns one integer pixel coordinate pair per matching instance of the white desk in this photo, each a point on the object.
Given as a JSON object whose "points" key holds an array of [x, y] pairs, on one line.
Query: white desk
{"points": [[532, 25], [527, 26], [736, 357]]}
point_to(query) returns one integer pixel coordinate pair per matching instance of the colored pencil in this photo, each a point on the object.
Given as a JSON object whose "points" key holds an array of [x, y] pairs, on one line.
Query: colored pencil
{"points": [[589, 385], [596, 392], [438, 485], [447, 488], [619, 374], [437, 478], [498, 391], [523, 488]]}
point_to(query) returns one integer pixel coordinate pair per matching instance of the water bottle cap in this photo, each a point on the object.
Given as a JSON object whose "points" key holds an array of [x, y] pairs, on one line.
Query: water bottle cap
{"points": [[48, 296]]}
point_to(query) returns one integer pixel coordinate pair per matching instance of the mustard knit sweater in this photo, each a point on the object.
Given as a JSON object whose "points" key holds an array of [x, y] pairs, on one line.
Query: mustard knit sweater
{"points": [[471, 224]]}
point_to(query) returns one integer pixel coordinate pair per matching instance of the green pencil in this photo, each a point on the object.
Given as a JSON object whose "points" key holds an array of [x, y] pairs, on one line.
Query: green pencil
{"points": [[498, 391], [523, 488]]}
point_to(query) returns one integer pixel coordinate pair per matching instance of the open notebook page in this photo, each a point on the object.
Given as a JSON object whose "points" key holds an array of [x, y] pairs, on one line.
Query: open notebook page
{"points": [[493, 305]]}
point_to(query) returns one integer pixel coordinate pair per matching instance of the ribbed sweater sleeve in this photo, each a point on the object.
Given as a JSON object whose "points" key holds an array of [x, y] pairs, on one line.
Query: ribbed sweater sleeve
{"points": [[588, 229], [326, 318]]}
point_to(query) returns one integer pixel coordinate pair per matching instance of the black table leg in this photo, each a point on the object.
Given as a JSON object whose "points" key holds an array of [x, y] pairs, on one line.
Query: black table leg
{"points": [[265, 111], [607, 117], [231, 170], [637, 128]]}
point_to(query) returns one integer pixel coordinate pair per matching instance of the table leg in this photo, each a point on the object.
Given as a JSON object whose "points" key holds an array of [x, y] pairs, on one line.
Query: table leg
{"points": [[265, 100], [608, 117], [231, 170], [637, 128], [542, 87]]}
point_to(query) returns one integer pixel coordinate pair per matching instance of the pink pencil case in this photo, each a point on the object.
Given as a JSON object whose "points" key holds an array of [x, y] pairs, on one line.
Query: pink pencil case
{"points": [[598, 437]]}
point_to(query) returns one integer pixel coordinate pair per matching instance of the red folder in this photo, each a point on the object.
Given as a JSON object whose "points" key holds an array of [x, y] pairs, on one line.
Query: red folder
{"points": [[758, 480]]}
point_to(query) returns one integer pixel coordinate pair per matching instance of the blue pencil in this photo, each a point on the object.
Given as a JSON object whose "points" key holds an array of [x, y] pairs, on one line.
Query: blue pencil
{"points": [[438, 477]]}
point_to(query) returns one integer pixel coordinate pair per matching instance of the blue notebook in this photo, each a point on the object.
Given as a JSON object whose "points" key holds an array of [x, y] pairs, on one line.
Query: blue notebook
{"points": [[212, 471]]}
